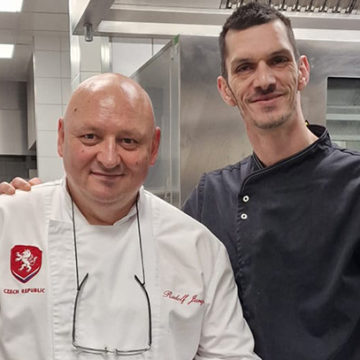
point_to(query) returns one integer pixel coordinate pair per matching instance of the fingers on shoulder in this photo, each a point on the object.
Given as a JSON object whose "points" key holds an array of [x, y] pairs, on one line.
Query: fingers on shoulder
{"points": [[20, 184], [34, 181], [6, 188]]}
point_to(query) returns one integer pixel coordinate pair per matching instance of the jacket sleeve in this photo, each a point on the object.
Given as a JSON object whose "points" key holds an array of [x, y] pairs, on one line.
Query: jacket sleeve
{"points": [[193, 204], [225, 334]]}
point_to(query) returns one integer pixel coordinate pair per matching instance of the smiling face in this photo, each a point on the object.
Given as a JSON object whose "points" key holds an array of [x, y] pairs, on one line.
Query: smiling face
{"points": [[108, 141], [264, 77]]}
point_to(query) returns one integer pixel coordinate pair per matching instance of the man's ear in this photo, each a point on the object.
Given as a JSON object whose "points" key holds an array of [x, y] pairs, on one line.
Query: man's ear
{"points": [[60, 141], [225, 91], [304, 72], [155, 146]]}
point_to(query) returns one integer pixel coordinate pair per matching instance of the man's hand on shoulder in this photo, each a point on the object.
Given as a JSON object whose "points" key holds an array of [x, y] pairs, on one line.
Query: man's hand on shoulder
{"points": [[18, 184]]}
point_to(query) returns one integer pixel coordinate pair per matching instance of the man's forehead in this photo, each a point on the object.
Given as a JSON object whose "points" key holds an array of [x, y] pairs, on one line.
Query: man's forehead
{"points": [[99, 97], [269, 37], [275, 27], [109, 95]]}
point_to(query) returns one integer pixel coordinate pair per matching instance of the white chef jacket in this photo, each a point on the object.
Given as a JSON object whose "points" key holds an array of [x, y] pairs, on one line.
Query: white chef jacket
{"points": [[195, 311]]}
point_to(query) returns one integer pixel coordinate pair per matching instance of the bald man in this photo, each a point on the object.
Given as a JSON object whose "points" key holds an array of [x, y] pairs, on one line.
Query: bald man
{"points": [[94, 266]]}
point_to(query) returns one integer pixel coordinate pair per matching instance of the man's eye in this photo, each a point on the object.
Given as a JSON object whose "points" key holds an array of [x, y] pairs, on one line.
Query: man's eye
{"points": [[89, 139], [242, 68], [279, 60], [129, 143]]}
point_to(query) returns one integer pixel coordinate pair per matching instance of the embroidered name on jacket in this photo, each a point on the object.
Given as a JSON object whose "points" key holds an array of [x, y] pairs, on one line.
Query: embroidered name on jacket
{"points": [[25, 262], [183, 299]]}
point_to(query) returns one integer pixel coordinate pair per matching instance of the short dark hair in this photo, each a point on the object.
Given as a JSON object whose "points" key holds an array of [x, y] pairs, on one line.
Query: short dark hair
{"points": [[250, 15]]}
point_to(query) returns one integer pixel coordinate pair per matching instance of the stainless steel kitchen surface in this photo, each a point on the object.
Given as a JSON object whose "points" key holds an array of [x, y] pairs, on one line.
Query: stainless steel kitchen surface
{"points": [[343, 111], [200, 133]]}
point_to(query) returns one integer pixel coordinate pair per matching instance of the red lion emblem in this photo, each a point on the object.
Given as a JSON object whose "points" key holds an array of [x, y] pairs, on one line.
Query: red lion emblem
{"points": [[25, 262]]}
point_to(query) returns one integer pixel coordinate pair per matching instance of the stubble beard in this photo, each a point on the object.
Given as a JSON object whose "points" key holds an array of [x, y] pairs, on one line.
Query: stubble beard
{"points": [[272, 121]]}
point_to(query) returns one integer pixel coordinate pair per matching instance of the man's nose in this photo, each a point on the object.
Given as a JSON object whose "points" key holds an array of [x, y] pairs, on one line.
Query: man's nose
{"points": [[108, 154], [264, 77]]}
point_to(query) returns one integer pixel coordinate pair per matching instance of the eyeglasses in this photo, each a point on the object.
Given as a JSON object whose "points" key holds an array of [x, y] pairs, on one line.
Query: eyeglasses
{"points": [[107, 350], [81, 286]]}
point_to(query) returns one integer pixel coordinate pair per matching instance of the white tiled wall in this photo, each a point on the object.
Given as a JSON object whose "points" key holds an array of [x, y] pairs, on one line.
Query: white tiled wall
{"points": [[47, 115], [85, 59], [47, 90], [65, 64], [47, 64], [47, 143], [47, 43], [52, 79], [52, 167]]}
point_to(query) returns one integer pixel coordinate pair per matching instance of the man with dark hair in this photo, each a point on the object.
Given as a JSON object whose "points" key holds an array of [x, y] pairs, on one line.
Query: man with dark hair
{"points": [[287, 214]]}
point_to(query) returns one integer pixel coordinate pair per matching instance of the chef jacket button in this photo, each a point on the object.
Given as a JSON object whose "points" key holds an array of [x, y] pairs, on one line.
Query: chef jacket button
{"points": [[246, 198], [243, 216]]}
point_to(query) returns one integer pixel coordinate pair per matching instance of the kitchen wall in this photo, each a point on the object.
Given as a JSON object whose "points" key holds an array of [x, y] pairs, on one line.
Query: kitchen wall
{"points": [[15, 158], [52, 89], [13, 127]]}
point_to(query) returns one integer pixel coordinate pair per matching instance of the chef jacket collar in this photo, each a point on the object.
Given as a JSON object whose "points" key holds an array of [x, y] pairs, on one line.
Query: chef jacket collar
{"points": [[318, 130], [79, 215]]}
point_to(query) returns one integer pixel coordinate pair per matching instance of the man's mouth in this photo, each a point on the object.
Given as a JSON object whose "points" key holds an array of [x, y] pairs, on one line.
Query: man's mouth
{"points": [[265, 98], [107, 175]]}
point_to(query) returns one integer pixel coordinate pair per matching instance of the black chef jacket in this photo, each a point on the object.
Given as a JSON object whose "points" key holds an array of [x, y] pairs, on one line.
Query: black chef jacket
{"points": [[292, 231]]}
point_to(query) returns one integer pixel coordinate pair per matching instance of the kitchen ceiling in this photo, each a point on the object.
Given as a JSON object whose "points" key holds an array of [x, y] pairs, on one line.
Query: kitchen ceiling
{"points": [[201, 17], [46, 17]]}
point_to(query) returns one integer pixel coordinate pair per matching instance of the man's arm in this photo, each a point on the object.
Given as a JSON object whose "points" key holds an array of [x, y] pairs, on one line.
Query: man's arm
{"points": [[18, 184], [193, 204]]}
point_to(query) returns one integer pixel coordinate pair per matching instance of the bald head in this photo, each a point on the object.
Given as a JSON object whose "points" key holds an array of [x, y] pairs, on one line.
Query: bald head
{"points": [[108, 91], [108, 141]]}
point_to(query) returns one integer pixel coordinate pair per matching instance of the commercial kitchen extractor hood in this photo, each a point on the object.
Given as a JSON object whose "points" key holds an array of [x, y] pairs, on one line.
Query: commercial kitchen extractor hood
{"points": [[199, 17]]}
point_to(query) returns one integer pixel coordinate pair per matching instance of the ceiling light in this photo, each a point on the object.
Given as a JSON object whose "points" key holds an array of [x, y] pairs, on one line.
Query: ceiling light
{"points": [[6, 51], [11, 5]]}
